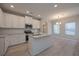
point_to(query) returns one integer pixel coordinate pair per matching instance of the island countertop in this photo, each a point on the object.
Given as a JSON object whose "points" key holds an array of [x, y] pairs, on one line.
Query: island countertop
{"points": [[39, 36]]}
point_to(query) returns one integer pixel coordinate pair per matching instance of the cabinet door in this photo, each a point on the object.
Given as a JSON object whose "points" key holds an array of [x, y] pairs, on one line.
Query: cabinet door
{"points": [[7, 42], [1, 19], [15, 39], [8, 20], [36, 23], [28, 20], [2, 45], [14, 21], [33, 23], [20, 22]]}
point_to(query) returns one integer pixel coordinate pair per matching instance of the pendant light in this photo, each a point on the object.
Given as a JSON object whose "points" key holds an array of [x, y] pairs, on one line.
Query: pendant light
{"points": [[58, 22]]}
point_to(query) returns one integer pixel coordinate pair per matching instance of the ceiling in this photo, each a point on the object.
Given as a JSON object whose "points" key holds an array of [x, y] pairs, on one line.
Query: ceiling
{"points": [[45, 10]]}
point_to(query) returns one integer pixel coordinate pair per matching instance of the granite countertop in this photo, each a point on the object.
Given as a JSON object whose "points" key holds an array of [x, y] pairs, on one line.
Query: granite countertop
{"points": [[39, 36]]}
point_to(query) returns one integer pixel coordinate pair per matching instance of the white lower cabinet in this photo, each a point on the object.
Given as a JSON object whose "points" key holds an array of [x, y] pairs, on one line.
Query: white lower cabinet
{"points": [[7, 42], [14, 39], [2, 46], [17, 39]]}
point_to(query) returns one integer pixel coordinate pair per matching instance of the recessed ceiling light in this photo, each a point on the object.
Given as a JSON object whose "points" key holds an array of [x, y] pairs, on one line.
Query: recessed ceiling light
{"points": [[27, 12], [55, 5], [38, 15], [12, 6], [57, 23]]}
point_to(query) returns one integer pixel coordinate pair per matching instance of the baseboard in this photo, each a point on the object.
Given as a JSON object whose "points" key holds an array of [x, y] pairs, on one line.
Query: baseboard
{"points": [[17, 44]]}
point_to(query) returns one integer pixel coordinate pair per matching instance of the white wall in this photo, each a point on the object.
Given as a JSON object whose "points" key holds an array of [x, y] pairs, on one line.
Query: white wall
{"points": [[49, 27], [62, 27]]}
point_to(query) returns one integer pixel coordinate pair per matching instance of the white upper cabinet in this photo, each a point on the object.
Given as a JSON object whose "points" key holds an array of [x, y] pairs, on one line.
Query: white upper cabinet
{"points": [[14, 21], [2, 24], [21, 22], [28, 20], [8, 20], [35, 23]]}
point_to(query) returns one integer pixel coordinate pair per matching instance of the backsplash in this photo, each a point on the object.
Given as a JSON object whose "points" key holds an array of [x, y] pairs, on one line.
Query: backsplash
{"points": [[11, 31]]}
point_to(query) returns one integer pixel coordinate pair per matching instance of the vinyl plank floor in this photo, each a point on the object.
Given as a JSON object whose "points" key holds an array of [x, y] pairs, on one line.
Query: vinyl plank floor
{"points": [[60, 47]]}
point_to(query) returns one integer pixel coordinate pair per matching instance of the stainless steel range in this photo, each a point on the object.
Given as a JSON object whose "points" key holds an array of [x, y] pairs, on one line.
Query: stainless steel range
{"points": [[28, 30]]}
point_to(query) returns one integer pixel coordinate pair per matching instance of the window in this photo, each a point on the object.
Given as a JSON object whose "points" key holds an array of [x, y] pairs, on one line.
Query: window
{"points": [[70, 28], [56, 28]]}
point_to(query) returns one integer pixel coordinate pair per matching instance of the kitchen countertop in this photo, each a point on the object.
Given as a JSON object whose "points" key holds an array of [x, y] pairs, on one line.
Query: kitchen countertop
{"points": [[39, 36]]}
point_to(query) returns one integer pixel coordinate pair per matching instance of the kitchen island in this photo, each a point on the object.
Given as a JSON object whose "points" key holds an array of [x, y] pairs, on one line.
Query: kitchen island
{"points": [[39, 43]]}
